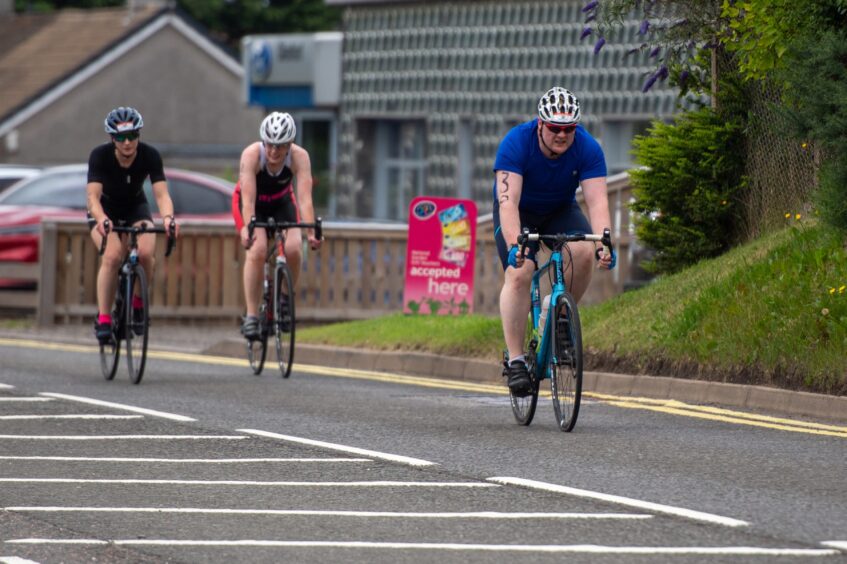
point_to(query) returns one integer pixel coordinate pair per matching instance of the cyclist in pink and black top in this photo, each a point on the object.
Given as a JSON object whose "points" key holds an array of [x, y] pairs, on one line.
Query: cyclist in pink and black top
{"points": [[274, 181]]}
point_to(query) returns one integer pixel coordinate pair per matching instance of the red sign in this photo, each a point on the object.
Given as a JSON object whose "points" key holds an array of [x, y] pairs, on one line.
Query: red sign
{"points": [[440, 257]]}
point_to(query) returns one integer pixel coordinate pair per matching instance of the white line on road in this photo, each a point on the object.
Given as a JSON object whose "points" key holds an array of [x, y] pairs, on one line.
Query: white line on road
{"points": [[119, 437], [15, 560], [365, 484], [650, 506], [392, 514], [74, 416], [6, 386], [839, 544], [352, 450], [102, 403], [573, 548], [181, 460], [26, 399]]}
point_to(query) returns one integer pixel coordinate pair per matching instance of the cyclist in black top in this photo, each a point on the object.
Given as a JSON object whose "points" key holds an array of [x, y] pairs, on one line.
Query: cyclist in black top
{"points": [[270, 172], [116, 174]]}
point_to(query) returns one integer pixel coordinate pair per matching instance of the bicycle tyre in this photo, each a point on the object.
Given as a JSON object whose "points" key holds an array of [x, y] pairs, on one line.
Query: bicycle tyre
{"points": [[523, 408], [257, 349], [136, 331], [110, 353], [565, 368], [284, 324]]}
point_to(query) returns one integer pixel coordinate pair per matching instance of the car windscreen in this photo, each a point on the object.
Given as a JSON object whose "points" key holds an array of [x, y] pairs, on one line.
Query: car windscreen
{"points": [[65, 190]]}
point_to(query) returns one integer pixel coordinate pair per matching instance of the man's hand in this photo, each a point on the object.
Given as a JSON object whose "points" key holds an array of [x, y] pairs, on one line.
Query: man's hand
{"points": [[516, 258], [608, 262], [314, 243]]}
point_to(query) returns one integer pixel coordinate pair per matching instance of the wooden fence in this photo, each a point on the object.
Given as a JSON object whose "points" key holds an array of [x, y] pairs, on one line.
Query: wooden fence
{"points": [[358, 273]]}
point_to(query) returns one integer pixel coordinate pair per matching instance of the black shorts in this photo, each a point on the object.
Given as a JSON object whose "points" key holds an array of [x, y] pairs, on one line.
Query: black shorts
{"points": [[566, 219], [123, 215], [282, 210]]}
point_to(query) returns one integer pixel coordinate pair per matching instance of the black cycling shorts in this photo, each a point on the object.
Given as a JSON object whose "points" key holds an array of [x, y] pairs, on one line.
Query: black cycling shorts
{"points": [[566, 219], [123, 215]]}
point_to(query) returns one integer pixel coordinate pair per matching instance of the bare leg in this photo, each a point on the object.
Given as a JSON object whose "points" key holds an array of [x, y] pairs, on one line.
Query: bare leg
{"points": [[107, 274], [581, 268], [514, 306], [254, 271]]}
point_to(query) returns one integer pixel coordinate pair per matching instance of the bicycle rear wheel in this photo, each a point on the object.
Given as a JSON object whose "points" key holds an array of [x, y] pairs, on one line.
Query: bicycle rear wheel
{"points": [[284, 318], [257, 349], [110, 353], [565, 368], [136, 323], [523, 408]]}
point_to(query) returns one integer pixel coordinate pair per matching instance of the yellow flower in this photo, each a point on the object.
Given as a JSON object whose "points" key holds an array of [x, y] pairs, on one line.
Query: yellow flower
{"points": [[841, 289], [831, 291], [798, 216], [824, 311], [804, 145], [787, 216]]}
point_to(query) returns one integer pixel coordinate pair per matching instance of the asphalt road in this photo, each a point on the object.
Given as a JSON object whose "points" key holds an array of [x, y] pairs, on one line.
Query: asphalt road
{"points": [[204, 462]]}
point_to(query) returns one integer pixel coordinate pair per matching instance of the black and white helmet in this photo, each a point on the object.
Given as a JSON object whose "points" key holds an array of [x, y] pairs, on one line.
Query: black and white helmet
{"points": [[559, 106], [123, 119], [278, 128]]}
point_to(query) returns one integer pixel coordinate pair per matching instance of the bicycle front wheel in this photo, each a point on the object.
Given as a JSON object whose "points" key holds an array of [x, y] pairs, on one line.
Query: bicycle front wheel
{"points": [[523, 407], [136, 323], [565, 366], [284, 318]]}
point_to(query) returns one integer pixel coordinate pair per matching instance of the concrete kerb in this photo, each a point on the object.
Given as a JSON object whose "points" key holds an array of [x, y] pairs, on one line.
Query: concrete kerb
{"points": [[489, 372]]}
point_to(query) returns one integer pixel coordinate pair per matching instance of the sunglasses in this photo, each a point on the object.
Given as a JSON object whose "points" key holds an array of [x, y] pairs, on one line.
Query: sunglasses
{"points": [[277, 145], [556, 129], [121, 137]]}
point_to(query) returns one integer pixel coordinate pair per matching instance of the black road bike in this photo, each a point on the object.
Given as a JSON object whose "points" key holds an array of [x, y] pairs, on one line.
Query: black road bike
{"points": [[129, 324], [276, 310]]}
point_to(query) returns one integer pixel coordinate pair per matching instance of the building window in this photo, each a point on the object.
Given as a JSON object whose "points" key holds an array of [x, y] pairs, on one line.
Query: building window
{"points": [[617, 143], [399, 165]]}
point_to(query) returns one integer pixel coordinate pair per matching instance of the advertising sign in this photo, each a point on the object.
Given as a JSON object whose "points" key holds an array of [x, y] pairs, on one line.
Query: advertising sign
{"points": [[440, 257]]}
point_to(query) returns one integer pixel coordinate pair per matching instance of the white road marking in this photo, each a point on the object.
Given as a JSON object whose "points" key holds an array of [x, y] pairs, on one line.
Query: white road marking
{"points": [[26, 399], [365, 484], [119, 437], [839, 544], [15, 560], [647, 505], [392, 514], [352, 450], [181, 460], [6, 386], [573, 548], [102, 403], [75, 416]]}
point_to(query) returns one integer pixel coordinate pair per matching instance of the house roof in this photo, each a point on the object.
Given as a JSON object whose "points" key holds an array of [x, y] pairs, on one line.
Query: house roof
{"points": [[38, 50], [43, 56]]}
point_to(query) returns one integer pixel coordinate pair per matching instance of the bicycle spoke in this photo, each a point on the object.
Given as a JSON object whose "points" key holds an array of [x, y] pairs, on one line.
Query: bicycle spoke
{"points": [[523, 408], [284, 318], [136, 324], [566, 365]]}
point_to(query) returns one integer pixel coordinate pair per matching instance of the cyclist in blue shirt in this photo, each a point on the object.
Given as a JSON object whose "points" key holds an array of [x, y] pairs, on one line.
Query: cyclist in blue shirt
{"points": [[538, 168]]}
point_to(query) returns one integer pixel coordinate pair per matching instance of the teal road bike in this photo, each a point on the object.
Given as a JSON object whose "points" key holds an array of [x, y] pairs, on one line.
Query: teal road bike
{"points": [[553, 345]]}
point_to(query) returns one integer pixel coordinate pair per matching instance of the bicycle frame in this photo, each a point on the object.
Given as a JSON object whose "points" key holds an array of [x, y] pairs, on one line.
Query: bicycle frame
{"points": [[558, 288]]}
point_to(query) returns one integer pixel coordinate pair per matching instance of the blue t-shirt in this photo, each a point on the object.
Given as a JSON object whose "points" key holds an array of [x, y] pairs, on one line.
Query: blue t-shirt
{"points": [[548, 183]]}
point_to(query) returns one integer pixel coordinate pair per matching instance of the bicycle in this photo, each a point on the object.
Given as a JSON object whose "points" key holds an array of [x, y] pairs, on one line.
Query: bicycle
{"points": [[554, 336], [130, 324], [276, 310]]}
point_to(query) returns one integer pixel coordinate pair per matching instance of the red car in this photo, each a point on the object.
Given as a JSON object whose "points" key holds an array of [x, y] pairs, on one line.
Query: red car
{"points": [[59, 192]]}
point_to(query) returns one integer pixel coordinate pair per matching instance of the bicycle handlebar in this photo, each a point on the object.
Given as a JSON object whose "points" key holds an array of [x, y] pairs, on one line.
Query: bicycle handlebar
{"points": [[559, 239], [275, 226], [132, 229]]}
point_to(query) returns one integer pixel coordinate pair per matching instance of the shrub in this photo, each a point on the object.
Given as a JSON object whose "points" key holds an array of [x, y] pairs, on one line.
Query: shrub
{"points": [[687, 194]]}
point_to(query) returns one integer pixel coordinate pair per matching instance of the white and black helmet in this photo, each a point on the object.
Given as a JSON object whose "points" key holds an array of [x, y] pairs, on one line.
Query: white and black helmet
{"points": [[278, 128], [122, 120], [559, 106]]}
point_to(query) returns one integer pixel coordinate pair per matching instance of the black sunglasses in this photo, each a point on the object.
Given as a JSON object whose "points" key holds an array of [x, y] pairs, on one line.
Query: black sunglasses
{"points": [[129, 136], [556, 129]]}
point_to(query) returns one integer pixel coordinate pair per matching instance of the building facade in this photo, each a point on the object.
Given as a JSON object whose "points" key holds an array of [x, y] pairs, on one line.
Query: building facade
{"points": [[430, 88]]}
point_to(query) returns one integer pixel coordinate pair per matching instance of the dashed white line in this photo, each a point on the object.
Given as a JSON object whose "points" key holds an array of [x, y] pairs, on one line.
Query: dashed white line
{"points": [[574, 548], [15, 560], [6, 387], [180, 460], [120, 437], [71, 416], [343, 448], [839, 544], [125, 407], [26, 399], [647, 505], [355, 484], [391, 514]]}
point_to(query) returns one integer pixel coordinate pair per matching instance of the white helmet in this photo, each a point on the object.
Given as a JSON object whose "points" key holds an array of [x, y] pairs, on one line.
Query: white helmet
{"points": [[559, 106], [278, 128]]}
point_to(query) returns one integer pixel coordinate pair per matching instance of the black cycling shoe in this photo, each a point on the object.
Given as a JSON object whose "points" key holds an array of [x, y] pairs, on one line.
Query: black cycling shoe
{"points": [[519, 383], [250, 328], [103, 332], [137, 320]]}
